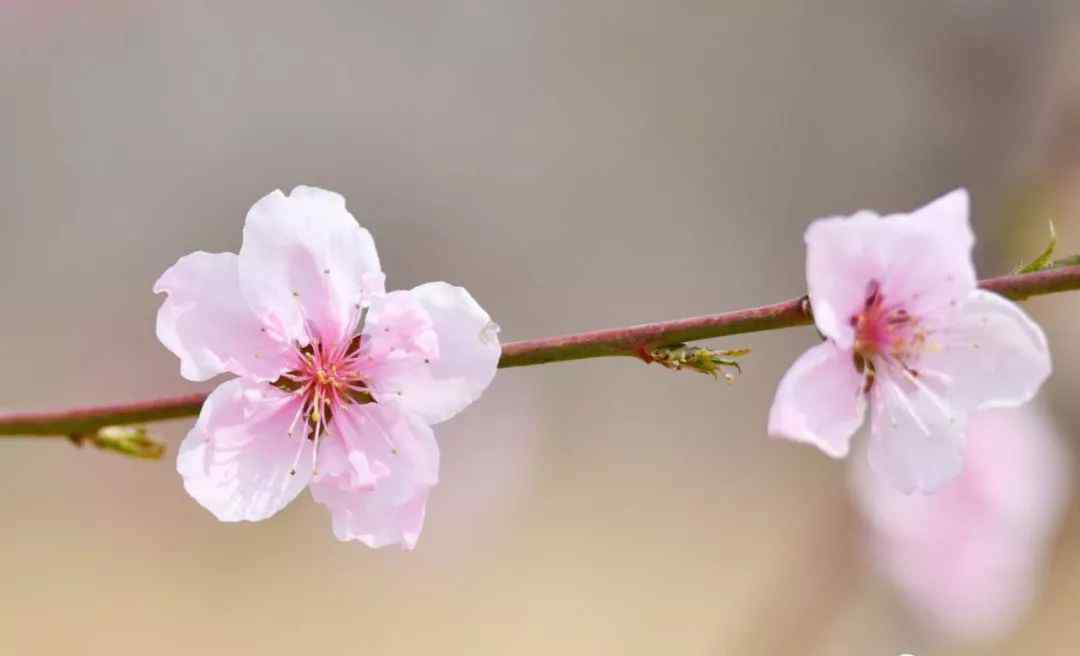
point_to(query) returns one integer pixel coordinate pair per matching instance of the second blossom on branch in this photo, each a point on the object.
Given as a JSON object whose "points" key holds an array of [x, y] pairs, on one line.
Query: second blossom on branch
{"points": [[908, 335]]}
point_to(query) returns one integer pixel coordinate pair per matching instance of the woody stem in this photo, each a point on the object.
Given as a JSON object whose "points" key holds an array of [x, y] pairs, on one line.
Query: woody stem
{"points": [[634, 341]]}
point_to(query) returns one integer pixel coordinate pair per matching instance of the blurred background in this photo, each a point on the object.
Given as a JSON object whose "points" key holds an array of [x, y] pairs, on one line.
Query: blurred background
{"points": [[576, 165]]}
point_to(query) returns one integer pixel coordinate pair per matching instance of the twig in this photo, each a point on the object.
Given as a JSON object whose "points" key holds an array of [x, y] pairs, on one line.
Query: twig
{"points": [[635, 341]]}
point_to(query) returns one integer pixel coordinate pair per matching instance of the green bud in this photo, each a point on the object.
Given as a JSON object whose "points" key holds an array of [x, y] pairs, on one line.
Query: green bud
{"points": [[127, 440], [698, 358]]}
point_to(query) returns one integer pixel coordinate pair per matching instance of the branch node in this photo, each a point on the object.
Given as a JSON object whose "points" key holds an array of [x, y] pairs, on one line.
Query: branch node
{"points": [[645, 355]]}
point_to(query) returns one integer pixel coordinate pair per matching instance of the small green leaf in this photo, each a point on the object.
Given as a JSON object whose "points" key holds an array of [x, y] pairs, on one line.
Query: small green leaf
{"points": [[697, 358], [1044, 260], [127, 440]]}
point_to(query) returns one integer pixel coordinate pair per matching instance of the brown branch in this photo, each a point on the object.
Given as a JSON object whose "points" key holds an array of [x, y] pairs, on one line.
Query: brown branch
{"points": [[632, 341], [77, 422]]}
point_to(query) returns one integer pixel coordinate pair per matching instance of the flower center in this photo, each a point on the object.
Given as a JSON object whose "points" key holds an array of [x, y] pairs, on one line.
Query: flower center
{"points": [[325, 379], [884, 331]]}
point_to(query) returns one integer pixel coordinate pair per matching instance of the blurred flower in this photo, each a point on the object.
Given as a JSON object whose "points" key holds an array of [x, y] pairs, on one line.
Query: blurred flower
{"points": [[339, 381], [968, 559], [906, 328]]}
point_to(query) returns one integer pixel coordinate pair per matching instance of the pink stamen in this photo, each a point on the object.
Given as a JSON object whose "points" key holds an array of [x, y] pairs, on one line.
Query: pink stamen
{"points": [[886, 331], [326, 376]]}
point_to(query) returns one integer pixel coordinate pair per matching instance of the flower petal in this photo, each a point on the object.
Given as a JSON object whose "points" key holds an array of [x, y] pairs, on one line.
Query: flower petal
{"points": [[977, 593], [1024, 468], [442, 385], [922, 260], [399, 332], [206, 323], [991, 354], [820, 400], [236, 460], [947, 218], [917, 437], [387, 506], [306, 266], [969, 556], [934, 270]]}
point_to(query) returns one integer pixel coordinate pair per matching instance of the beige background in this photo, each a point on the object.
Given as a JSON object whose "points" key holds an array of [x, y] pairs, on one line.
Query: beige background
{"points": [[576, 165]]}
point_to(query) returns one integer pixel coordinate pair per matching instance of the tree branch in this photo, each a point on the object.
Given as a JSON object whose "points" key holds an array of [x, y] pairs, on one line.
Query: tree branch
{"points": [[634, 341]]}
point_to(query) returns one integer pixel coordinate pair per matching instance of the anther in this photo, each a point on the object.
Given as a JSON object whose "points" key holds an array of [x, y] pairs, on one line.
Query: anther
{"points": [[872, 290]]}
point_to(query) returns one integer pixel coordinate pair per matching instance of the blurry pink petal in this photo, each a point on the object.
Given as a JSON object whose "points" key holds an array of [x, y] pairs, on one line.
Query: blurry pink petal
{"points": [[460, 367], [819, 400], [387, 508], [917, 438], [1028, 484], [992, 354], [305, 264], [206, 323], [237, 459], [978, 595], [922, 260], [967, 559]]}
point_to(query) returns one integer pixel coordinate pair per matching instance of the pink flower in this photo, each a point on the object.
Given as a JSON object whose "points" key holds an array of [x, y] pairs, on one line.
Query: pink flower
{"points": [[967, 560], [338, 381], [906, 330]]}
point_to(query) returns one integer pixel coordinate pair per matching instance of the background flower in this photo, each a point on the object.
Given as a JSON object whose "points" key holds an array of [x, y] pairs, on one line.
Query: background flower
{"points": [[969, 560]]}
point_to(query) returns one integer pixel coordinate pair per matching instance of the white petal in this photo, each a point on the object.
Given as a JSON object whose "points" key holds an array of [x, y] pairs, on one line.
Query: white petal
{"points": [[206, 323], [992, 354], [917, 437], [841, 260], [467, 354], [236, 460], [306, 265], [922, 260], [387, 508], [399, 331], [391, 440], [934, 270], [947, 218], [820, 400]]}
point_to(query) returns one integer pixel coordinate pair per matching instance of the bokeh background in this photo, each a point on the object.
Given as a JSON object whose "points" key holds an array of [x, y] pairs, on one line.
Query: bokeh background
{"points": [[576, 165]]}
